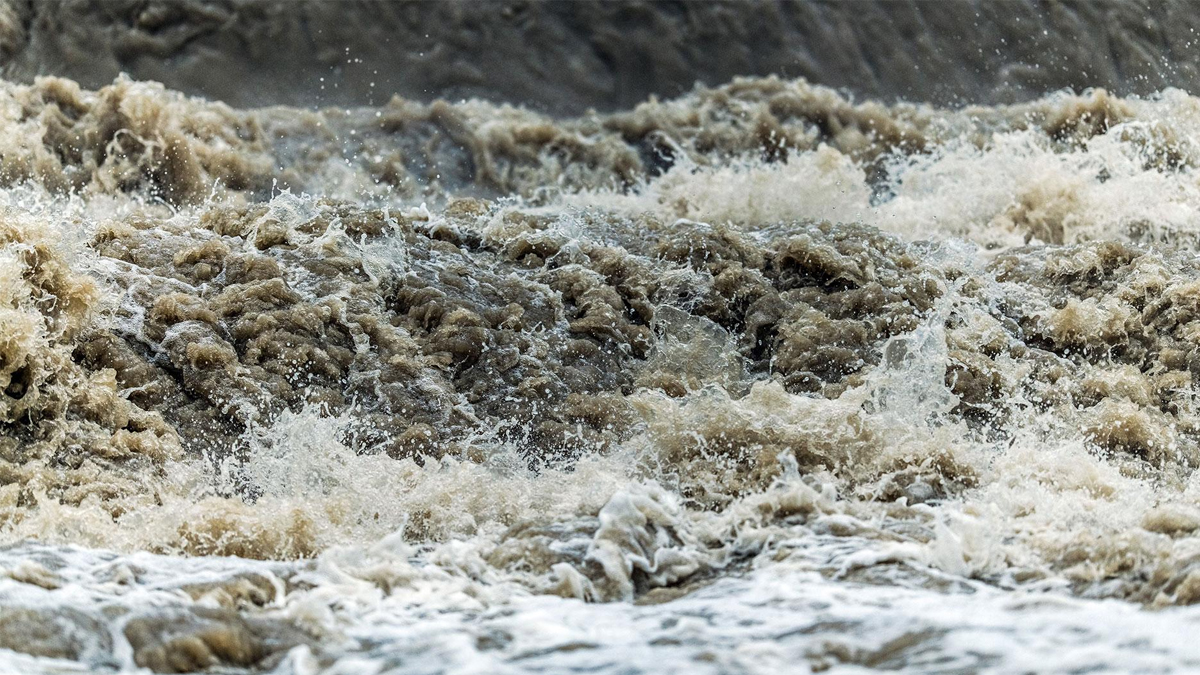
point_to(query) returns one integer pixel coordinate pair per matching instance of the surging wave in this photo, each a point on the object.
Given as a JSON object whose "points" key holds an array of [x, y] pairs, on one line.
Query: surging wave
{"points": [[459, 356]]}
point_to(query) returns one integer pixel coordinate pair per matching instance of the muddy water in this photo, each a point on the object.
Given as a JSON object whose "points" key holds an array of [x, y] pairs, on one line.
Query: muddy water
{"points": [[751, 379]]}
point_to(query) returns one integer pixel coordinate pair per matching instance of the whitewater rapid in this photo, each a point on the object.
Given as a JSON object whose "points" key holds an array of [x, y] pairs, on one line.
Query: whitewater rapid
{"points": [[757, 378]]}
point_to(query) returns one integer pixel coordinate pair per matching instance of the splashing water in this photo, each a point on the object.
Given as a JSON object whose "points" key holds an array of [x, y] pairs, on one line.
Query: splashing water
{"points": [[463, 388]]}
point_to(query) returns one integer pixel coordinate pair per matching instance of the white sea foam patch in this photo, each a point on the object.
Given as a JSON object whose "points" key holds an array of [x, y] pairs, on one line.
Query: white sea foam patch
{"points": [[788, 620], [1020, 187], [312, 458], [1050, 512], [1134, 182], [303, 486], [823, 184], [376, 611]]}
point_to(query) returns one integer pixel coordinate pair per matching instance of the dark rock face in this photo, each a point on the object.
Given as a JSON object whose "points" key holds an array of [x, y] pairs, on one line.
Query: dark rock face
{"points": [[565, 57]]}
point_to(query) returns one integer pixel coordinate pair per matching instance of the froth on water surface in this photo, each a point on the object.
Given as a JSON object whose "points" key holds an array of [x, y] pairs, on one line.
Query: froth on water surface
{"points": [[756, 377]]}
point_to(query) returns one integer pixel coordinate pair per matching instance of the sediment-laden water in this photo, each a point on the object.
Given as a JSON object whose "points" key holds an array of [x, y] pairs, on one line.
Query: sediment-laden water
{"points": [[757, 378]]}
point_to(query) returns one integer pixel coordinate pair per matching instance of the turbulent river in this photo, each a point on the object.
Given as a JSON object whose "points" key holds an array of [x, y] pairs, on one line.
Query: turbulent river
{"points": [[756, 379]]}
